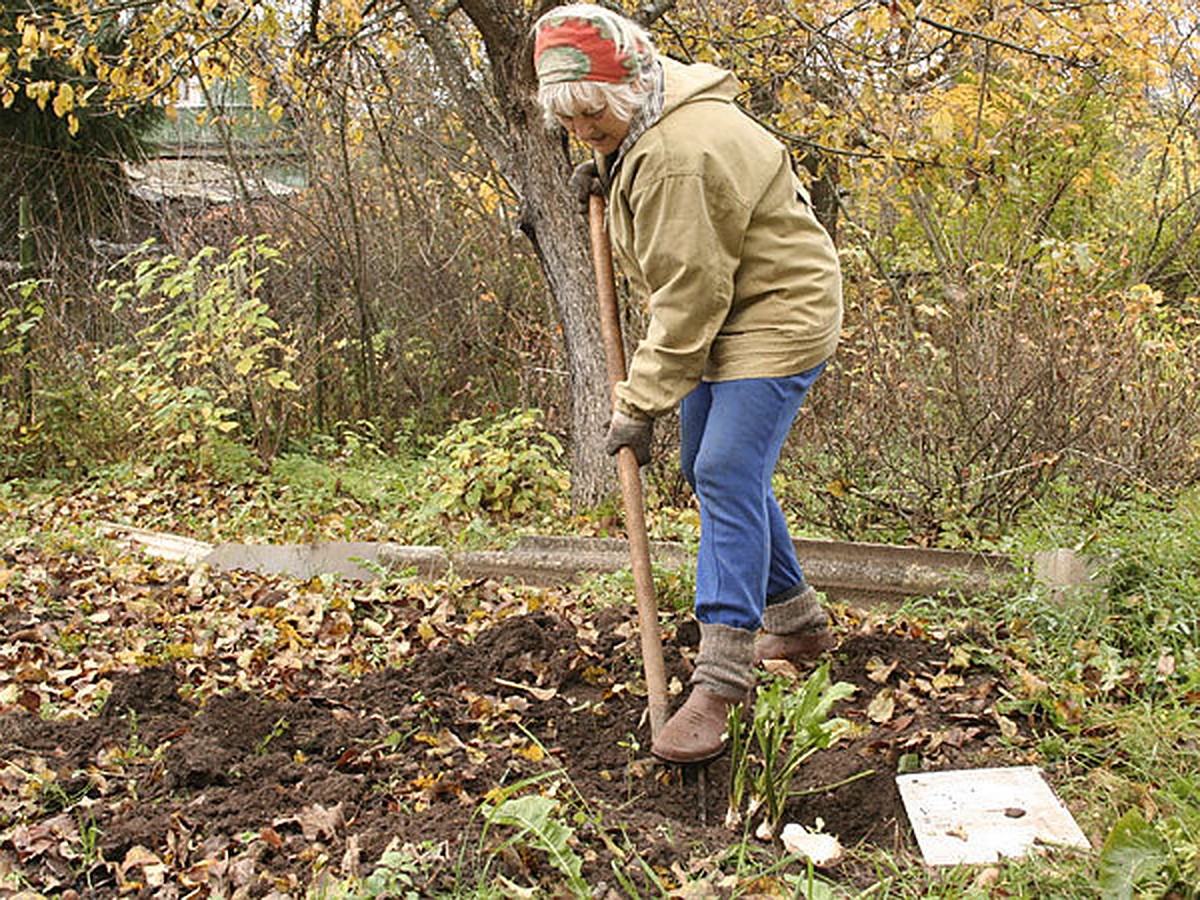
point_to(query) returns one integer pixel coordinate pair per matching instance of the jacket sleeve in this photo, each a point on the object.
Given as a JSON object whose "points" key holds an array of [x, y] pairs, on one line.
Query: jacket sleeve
{"points": [[687, 237]]}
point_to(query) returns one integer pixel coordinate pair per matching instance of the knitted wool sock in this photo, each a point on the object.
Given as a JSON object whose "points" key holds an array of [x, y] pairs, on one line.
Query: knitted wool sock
{"points": [[798, 610], [725, 663]]}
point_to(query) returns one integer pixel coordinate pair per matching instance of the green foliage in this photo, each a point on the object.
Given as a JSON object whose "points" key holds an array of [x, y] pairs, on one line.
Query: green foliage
{"points": [[1133, 854], [227, 460], [398, 874], [490, 472], [207, 361], [674, 587], [538, 826], [19, 319], [1142, 858], [786, 728], [57, 421]]}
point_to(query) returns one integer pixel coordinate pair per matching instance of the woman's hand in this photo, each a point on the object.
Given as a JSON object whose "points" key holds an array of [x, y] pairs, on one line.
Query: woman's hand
{"points": [[583, 183], [630, 431]]}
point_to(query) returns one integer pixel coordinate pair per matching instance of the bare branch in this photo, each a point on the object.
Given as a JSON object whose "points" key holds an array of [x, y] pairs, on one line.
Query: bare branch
{"points": [[460, 78]]}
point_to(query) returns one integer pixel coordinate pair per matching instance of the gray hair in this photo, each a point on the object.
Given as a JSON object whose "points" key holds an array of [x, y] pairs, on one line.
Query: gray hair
{"points": [[570, 98]]}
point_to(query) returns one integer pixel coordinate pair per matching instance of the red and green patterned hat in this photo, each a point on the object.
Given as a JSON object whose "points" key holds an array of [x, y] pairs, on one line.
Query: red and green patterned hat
{"points": [[578, 48]]}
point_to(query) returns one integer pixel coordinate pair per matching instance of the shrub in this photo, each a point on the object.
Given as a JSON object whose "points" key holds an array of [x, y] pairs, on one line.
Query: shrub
{"points": [[495, 472], [207, 361]]}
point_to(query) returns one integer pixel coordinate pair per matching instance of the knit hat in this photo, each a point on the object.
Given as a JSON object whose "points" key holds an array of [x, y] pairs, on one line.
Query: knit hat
{"points": [[574, 47]]}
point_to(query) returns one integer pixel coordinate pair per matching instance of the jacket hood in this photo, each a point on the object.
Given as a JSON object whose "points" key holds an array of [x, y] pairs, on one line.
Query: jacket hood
{"points": [[685, 83]]}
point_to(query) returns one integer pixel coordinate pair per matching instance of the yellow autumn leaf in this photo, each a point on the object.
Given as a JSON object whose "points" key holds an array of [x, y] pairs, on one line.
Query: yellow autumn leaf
{"points": [[39, 92], [1032, 685], [879, 671], [1008, 728], [941, 125], [945, 680], [64, 100], [293, 637], [838, 487], [258, 92], [488, 198], [31, 37], [532, 752]]}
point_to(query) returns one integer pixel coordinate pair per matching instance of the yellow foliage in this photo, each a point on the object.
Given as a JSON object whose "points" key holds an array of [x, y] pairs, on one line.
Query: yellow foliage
{"points": [[532, 752], [39, 92], [64, 99], [943, 125]]}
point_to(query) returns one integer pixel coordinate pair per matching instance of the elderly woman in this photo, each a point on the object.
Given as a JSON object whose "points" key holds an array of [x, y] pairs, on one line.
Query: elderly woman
{"points": [[712, 227]]}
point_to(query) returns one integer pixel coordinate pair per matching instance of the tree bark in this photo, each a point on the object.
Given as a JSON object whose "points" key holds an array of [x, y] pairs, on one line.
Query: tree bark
{"points": [[550, 220]]}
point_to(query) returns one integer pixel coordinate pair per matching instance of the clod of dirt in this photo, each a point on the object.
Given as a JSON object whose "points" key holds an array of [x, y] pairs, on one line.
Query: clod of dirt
{"points": [[144, 692]]}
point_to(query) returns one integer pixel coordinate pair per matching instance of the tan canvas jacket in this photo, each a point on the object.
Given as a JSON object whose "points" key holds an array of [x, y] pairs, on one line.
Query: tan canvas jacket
{"points": [[710, 224]]}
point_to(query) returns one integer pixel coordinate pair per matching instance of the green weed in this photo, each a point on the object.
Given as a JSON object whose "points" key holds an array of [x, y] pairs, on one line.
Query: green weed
{"points": [[786, 727]]}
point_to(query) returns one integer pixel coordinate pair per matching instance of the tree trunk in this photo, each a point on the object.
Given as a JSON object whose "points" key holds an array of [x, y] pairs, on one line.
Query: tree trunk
{"points": [[550, 220], [536, 164]]}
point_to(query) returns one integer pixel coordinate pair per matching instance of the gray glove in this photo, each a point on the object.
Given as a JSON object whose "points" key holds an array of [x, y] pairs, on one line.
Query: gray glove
{"points": [[629, 431], [584, 182]]}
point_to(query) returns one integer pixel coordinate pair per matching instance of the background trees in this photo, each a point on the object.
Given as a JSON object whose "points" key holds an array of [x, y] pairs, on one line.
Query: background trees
{"points": [[1013, 188]]}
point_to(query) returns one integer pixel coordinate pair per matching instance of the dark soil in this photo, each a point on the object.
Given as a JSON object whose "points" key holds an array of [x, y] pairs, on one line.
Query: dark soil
{"points": [[255, 795]]}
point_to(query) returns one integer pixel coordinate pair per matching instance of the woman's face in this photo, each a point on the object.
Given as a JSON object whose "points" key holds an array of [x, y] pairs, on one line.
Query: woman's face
{"points": [[599, 129]]}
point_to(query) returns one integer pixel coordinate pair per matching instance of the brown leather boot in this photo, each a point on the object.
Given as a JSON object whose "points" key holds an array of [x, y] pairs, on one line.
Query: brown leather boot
{"points": [[795, 628], [723, 679], [795, 648], [696, 733]]}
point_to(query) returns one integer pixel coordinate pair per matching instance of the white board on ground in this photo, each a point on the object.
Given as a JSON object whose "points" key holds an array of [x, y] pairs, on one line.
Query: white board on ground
{"points": [[972, 816]]}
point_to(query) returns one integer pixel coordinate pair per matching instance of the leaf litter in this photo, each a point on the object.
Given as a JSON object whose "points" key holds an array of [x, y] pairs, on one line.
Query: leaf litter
{"points": [[167, 731]]}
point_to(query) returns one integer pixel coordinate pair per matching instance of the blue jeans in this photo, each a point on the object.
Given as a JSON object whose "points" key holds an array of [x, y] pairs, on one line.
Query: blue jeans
{"points": [[731, 435]]}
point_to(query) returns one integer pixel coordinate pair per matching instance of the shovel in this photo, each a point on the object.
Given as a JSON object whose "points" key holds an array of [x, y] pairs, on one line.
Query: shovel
{"points": [[631, 483]]}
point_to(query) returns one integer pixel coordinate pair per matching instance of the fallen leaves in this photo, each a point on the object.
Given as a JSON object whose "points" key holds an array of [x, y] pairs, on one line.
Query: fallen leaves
{"points": [[537, 693], [226, 629], [53, 835], [317, 823], [74, 623], [140, 869], [924, 709], [879, 671], [433, 740], [882, 706]]}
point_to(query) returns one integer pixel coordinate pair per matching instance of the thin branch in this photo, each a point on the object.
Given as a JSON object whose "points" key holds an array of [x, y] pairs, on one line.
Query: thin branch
{"points": [[454, 68], [871, 254], [1181, 240], [1000, 42]]}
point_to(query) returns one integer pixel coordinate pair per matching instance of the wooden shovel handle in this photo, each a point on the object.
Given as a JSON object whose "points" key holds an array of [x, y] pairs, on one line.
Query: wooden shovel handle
{"points": [[631, 482]]}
